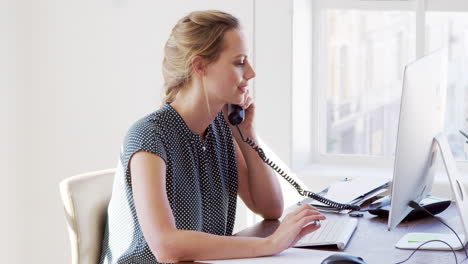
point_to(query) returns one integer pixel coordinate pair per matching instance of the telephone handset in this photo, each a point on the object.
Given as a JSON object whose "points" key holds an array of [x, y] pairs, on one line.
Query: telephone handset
{"points": [[235, 116]]}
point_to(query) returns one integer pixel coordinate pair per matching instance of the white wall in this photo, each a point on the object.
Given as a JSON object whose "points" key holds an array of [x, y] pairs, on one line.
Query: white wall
{"points": [[273, 63], [77, 74], [14, 61], [7, 114]]}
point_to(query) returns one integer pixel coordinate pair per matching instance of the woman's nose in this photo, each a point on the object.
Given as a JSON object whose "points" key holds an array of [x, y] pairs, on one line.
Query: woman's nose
{"points": [[250, 73]]}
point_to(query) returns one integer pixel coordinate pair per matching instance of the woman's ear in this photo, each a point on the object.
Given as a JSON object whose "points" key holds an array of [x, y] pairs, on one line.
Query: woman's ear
{"points": [[198, 65]]}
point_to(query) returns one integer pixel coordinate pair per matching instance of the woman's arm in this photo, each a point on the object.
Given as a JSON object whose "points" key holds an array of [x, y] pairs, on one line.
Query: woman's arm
{"points": [[258, 185], [169, 244]]}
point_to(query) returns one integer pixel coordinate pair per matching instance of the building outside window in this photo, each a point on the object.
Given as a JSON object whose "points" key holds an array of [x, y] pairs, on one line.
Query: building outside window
{"points": [[361, 48]]}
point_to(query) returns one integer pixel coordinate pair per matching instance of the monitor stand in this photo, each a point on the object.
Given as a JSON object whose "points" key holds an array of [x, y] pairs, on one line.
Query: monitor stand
{"points": [[435, 205], [413, 240]]}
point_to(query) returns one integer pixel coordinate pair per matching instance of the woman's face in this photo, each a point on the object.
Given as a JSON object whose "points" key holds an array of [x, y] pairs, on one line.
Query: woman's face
{"points": [[226, 78]]}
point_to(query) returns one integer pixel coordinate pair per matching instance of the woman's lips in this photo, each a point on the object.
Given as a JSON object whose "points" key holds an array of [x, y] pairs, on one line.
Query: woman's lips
{"points": [[243, 89]]}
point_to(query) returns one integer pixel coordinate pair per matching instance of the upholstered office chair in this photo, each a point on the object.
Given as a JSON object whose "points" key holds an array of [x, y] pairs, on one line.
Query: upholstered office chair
{"points": [[85, 198]]}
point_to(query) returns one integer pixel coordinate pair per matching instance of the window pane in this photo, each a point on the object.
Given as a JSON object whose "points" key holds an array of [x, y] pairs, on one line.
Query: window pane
{"points": [[364, 57], [450, 29]]}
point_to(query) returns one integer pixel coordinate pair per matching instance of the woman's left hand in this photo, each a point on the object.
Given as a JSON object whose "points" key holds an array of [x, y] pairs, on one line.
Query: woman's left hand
{"points": [[249, 107], [247, 126]]}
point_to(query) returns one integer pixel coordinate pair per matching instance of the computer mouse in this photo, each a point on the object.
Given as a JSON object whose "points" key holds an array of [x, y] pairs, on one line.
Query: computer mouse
{"points": [[342, 258]]}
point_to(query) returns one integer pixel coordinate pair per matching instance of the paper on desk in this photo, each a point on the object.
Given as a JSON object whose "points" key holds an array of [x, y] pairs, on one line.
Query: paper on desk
{"points": [[290, 256], [346, 191]]}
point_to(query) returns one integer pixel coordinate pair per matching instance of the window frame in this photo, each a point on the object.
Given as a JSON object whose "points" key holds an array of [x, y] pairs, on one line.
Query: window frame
{"points": [[315, 153]]}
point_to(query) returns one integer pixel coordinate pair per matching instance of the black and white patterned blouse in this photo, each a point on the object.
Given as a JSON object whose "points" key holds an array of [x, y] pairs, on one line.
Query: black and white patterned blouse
{"points": [[201, 183]]}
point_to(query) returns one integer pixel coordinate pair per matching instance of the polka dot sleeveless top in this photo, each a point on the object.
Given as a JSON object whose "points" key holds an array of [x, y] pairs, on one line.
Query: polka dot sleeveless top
{"points": [[201, 183]]}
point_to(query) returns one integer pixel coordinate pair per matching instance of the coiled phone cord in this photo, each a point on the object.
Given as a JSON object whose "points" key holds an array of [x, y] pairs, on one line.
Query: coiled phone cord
{"points": [[299, 189]]}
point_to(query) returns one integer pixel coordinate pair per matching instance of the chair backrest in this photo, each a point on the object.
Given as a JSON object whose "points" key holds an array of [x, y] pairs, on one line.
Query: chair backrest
{"points": [[85, 198]]}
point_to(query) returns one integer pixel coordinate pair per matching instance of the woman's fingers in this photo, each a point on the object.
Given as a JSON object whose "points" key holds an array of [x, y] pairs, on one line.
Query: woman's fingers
{"points": [[307, 212], [247, 102], [303, 226], [305, 231], [304, 215], [304, 209], [307, 219], [304, 206], [301, 208], [295, 225]]}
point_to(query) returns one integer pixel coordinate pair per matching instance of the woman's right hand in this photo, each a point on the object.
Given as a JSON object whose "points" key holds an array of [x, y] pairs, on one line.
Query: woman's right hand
{"points": [[292, 227]]}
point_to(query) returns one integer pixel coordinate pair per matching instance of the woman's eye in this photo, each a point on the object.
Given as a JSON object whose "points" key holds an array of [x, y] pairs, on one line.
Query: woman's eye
{"points": [[240, 63]]}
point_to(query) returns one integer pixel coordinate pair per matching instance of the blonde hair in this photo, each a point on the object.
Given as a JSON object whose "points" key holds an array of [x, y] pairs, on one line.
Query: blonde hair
{"points": [[200, 33]]}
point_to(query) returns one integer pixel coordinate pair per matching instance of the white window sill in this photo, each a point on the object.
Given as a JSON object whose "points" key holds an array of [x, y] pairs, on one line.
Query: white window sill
{"points": [[317, 177]]}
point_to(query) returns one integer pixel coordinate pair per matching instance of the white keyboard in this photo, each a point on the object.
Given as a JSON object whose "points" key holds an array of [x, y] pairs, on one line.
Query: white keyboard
{"points": [[333, 231]]}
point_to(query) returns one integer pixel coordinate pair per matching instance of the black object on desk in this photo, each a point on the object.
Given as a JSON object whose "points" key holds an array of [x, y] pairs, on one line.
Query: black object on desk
{"points": [[434, 205], [343, 258]]}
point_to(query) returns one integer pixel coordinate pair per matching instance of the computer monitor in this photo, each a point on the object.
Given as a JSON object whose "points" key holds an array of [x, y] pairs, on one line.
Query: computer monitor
{"points": [[421, 119], [419, 141]]}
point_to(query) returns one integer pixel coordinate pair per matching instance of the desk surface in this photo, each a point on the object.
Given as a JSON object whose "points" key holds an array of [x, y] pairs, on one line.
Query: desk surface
{"points": [[375, 244]]}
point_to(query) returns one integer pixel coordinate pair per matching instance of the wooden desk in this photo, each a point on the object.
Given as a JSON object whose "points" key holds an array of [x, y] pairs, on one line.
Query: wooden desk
{"points": [[376, 245]]}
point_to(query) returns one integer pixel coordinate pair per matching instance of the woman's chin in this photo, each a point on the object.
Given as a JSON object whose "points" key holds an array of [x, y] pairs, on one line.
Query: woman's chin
{"points": [[238, 101]]}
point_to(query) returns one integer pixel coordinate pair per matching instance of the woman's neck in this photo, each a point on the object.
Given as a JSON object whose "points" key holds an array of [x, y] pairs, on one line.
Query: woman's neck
{"points": [[196, 109]]}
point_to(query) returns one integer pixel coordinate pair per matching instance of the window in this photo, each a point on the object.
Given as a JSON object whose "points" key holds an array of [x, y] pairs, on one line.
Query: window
{"points": [[365, 52], [451, 29], [362, 48]]}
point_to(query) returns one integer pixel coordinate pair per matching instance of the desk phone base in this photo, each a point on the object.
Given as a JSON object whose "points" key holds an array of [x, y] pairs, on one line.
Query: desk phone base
{"points": [[433, 204]]}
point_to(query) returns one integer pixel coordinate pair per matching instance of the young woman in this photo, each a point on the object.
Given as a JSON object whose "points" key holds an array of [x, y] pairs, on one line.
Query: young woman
{"points": [[182, 167]]}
